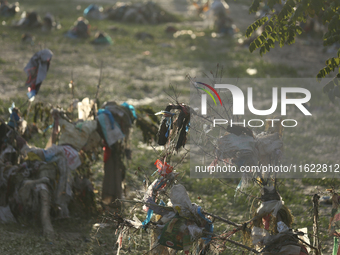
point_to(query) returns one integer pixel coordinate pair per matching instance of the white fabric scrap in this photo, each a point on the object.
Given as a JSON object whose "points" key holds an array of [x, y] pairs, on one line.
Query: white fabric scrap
{"points": [[305, 237], [282, 227], [6, 215], [272, 206]]}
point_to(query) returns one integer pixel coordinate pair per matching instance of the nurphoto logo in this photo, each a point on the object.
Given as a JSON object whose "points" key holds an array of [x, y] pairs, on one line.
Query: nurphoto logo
{"points": [[238, 103]]}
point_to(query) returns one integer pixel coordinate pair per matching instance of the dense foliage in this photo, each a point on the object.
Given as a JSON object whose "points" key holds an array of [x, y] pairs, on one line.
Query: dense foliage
{"points": [[284, 25]]}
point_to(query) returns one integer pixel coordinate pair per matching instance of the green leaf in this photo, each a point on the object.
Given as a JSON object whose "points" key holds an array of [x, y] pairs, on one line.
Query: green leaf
{"points": [[271, 43], [274, 35], [282, 43], [267, 47], [252, 47], [254, 6], [268, 28], [298, 13], [256, 24], [265, 34], [322, 73], [262, 50], [298, 30], [261, 38], [257, 42]]}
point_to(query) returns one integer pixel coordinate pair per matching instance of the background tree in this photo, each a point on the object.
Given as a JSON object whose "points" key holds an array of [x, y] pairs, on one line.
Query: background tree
{"points": [[283, 26]]}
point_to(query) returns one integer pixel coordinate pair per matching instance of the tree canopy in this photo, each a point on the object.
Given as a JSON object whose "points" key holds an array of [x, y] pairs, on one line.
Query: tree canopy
{"points": [[283, 27]]}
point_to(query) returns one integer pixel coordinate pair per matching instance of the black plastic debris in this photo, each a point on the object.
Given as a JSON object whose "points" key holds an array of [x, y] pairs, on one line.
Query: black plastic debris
{"points": [[143, 36], [27, 38], [81, 29], [8, 10], [29, 20], [102, 39]]}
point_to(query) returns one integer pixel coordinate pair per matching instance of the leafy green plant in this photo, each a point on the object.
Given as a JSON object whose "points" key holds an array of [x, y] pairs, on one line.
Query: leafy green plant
{"points": [[284, 26]]}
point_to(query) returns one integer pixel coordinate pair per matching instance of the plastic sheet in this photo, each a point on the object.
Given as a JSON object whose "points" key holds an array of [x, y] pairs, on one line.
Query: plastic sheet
{"points": [[242, 147], [195, 232], [181, 201], [6, 215], [258, 235], [270, 207], [305, 237], [76, 135], [268, 143]]}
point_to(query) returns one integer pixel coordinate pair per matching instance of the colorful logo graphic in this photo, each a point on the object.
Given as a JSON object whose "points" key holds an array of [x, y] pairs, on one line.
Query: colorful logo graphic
{"points": [[208, 92]]}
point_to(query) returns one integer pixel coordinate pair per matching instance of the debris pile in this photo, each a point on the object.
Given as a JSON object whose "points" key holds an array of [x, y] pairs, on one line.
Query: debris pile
{"points": [[49, 23], [271, 230], [8, 10], [102, 39], [141, 13], [29, 20], [81, 29], [44, 178]]}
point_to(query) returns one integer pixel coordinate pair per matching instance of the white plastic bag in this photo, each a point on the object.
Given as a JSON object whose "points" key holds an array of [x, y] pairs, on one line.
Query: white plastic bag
{"points": [[181, 201], [272, 206], [259, 235]]}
